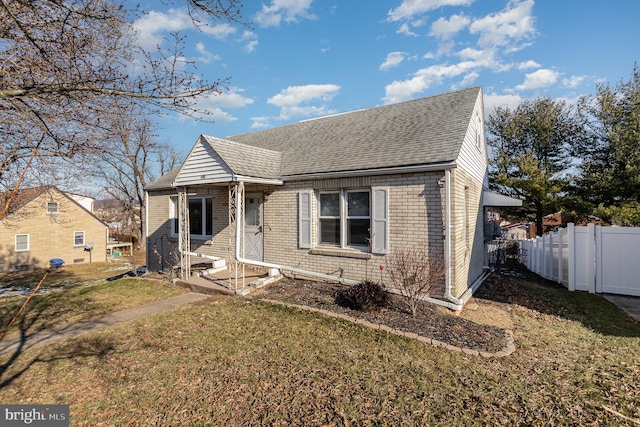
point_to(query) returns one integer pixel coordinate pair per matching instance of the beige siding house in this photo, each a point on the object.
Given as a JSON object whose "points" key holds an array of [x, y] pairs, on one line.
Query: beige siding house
{"points": [[334, 196], [45, 223]]}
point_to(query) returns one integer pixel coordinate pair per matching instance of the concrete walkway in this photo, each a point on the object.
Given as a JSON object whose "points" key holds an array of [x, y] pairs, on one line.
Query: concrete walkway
{"points": [[49, 336], [629, 304]]}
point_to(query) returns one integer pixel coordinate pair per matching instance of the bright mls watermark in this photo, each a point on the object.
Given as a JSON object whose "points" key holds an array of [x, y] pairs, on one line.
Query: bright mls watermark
{"points": [[34, 415]]}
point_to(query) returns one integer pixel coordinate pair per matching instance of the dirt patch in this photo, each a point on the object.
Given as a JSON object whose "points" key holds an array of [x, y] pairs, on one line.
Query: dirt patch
{"points": [[487, 313], [480, 329]]}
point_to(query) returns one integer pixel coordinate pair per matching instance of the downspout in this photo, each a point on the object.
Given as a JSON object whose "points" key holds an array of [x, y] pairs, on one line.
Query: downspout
{"points": [[448, 285], [243, 260], [453, 302]]}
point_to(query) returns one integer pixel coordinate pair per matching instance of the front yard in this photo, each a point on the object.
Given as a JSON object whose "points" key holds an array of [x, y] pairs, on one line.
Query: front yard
{"points": [[247, 362]]}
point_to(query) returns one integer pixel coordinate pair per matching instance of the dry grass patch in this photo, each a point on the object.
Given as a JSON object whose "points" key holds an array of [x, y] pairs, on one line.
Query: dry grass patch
{"points": [[81, 302], [240, 362]]}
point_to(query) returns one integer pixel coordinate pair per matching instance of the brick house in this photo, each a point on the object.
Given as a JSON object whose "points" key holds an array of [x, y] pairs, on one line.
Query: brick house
{"points": [[334, 196], [44, 223]]}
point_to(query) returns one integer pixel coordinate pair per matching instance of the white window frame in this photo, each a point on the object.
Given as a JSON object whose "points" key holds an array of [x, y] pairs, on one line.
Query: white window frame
{"points": [[343, 218], [53, 212], [28, 243], [173, 216], [76, 234]]}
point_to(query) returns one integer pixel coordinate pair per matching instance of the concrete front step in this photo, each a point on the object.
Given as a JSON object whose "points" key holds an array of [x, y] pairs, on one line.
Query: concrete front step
{"points": [[203, 286]]}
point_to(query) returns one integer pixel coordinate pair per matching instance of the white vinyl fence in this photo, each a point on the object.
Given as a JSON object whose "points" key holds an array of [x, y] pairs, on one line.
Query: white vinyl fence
{"points": [[592, 258]]}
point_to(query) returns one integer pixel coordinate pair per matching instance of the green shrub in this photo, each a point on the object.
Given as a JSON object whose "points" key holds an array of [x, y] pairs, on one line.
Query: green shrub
{"points": [[365, 295]]}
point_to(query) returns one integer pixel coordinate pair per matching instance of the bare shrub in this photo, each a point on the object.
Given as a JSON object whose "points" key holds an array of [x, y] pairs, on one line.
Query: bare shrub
{"points": [[365, 295], [414, 271]]}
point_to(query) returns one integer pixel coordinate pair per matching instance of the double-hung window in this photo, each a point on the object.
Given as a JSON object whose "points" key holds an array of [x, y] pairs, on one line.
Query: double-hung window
{"points": [[345, 218], [22, 242], [200, 216], [78, 238], [52, 207]]}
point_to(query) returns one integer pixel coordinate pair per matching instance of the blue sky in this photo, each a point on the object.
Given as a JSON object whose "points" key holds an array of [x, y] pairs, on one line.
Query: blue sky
{"points": [[308, 58]]}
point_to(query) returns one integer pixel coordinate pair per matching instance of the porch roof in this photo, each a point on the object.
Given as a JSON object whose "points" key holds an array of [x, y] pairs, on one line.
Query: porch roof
{"points": [[245, 159]]}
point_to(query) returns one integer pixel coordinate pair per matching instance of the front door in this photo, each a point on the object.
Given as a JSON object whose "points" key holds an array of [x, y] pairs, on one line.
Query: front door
{"points": [[253, 237]]}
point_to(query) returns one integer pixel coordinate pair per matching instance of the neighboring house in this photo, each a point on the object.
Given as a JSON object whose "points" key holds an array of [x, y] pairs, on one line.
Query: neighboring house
{"points": [[44, 223], [517, 231], [559, 219], [334, 196]]}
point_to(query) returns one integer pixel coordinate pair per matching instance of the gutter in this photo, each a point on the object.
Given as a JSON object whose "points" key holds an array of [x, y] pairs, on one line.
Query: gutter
{"points": [[243, 260], [366, 172]]}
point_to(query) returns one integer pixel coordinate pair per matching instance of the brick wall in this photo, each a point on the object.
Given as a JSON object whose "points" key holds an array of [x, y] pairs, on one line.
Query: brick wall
{"points": [[51, 235], [416, 216]]}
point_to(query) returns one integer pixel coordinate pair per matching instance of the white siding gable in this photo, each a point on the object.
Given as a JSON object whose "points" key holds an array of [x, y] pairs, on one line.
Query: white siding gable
{"points": [[203, 166], [473, 153]]}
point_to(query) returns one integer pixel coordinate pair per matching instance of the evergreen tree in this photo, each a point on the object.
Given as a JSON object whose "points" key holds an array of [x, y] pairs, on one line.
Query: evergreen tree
{"points": [[530, 152]]}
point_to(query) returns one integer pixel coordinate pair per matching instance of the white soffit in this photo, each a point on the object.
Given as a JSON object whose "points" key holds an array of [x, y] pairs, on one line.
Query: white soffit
{"points": [[489, 198]]}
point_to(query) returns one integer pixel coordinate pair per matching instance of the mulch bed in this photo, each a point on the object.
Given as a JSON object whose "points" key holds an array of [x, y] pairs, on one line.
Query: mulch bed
{"points": [[431, 321]]}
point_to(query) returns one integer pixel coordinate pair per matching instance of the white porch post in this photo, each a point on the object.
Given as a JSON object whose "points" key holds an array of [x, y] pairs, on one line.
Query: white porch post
{"points": [[184, 244], [236, 202]]}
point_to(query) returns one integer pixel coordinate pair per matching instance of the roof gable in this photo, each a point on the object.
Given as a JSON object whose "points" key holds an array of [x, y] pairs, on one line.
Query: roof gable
{"points": [[423, 131], [25, 196]]}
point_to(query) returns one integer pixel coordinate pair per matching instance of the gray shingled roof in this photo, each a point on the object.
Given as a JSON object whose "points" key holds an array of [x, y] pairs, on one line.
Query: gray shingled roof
{"points": [[165, 181], [247, 160], [423, 131]]}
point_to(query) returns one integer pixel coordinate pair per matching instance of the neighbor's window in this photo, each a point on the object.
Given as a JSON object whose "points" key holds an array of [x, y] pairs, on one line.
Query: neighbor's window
{"points": [[200, 216], [22, 242], [78, 238], [344, 218], [52, 207]]}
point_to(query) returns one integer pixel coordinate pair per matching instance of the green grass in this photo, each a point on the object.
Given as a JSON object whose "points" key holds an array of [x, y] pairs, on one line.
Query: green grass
{"points": [[245, 362], [81, 302]]}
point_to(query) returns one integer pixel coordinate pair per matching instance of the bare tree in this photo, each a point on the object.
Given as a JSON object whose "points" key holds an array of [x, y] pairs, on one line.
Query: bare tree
{"points": [[414, 272], [65, 66], [133, 160]]}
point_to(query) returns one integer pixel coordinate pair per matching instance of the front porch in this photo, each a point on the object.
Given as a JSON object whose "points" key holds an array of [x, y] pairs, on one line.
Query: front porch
{"points": [[212, 277]]}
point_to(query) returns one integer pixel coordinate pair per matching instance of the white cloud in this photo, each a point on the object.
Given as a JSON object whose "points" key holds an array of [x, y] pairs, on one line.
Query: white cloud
{"points": [[404, 29], [445, 29], [573, 81], [219, 31], [493, 101], [507, 26], [528, 64], [410, 8], [467, 81], [153, 24], [292, 100], [538, 79], [152, 27], [423, 79], [471, 53], [393, 60], [289, 10], [260, 122], [205, 56], [251, 46], [250, 40], [216, 104]]}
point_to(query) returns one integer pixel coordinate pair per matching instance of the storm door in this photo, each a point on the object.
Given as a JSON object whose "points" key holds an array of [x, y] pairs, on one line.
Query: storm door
{"points": [[253, 236]]}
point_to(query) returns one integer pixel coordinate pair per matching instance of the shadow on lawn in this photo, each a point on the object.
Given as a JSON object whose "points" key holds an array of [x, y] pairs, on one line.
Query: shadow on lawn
{"points": [[41, 313], [516, 285], [74, 349]]}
